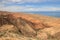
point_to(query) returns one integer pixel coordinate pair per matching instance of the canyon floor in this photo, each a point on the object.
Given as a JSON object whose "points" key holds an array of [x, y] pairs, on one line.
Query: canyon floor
{"points": [[47, 28]]}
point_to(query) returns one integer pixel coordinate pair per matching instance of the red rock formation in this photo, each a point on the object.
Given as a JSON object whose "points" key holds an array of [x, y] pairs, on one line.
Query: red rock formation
{"points": [[37, 24]]}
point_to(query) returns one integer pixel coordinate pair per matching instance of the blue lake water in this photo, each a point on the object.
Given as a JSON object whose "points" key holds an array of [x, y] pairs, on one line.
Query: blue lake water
{"points": [[54, 14]]}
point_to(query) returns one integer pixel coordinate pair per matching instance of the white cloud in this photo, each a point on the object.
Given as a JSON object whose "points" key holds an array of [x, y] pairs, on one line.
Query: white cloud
{"points": [[11, 8], [27, 1], [25, 8], [23, 1]]}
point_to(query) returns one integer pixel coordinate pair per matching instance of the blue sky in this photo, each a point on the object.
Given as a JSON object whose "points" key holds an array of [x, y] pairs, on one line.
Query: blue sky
{"points": [[29, 5]]}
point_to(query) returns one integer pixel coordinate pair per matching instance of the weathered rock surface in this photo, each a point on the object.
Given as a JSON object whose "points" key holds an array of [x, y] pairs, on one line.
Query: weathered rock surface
{"points": [[31, 25]]}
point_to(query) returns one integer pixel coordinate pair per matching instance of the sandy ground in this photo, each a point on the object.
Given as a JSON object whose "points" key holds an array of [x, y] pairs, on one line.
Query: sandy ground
{"points": [[10, 32]]}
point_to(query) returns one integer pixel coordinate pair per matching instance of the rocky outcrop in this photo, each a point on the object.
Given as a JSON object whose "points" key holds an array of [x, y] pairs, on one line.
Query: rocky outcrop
{"points": [[36, 24], [29, 25], [3, 18], [22, 25]]}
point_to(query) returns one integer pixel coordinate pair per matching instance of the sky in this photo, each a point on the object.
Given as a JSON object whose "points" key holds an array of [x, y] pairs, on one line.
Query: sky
{"points": [[29, 5]]}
